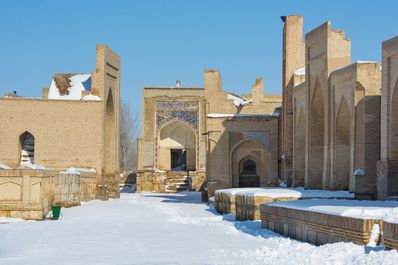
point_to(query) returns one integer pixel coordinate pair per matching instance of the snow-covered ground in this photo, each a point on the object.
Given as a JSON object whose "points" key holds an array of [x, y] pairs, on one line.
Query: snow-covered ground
{"points": [[164, 229]]}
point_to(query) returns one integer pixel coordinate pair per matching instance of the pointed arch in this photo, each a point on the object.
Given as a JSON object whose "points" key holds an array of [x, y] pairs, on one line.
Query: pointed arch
{"points": [[27, 147], [342, 146], [177, 144], [248, 172], [249, 149], [110, 137], [316, 138], [299, 149]]}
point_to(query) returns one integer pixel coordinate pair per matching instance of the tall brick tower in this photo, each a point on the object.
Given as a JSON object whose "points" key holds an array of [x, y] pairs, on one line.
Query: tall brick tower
{"points": [[293, 51], [106, 84]]}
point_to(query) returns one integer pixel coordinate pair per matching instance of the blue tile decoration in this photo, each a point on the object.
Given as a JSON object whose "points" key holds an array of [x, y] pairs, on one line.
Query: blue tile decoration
{"points": [[186, 112]]}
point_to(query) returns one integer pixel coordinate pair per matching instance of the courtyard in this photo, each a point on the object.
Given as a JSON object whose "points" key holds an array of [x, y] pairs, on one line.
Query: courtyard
{"points": [[149, 228]]}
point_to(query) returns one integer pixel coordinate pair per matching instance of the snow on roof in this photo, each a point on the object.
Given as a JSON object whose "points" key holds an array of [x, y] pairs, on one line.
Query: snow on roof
{"points": [[357, 62], [91, 97], [71, 170], [220, 115], [69, 86], [386, 210], [299, 192], [232, 191], [2, 166], [367, 62], [76, 170], [92, 170], [300, 71], [32, 166], [238, 101]]}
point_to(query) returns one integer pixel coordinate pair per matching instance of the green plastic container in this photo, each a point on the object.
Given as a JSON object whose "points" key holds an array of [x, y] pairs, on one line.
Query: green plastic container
{"points": [[56, 212]]}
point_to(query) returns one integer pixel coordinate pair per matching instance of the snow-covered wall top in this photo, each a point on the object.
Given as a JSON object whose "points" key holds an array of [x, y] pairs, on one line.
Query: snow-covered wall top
{"points": [[70, 87], [220, 115]]}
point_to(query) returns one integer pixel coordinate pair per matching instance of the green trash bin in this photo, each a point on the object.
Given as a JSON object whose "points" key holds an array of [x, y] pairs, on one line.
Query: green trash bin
{"points": [[56, 212]]}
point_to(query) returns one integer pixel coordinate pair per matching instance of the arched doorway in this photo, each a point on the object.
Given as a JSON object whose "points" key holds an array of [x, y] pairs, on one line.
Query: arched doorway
{"points": [[316, 139], [248, 176], [299, 150], [27, 144], [342, 147], [249, 164], [177, 147], [110, 136]]}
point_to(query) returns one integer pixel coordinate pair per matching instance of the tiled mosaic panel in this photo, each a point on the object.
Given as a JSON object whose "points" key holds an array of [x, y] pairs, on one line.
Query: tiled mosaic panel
{"points": [[183, 111]]}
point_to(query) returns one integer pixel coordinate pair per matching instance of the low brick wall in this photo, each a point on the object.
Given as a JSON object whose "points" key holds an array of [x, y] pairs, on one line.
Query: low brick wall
{"points": [[30, 194], [88, 186], [224, 202], [316, 228], [248, 206], [390, 233], [198, 179], [67, 189], [26, 193], [151, 181]]}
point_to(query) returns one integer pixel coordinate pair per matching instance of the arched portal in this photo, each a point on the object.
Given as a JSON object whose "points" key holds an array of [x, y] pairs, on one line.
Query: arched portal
{"points": [[27, 144], [393, 174], [249, 164], [248, 176], [110, 135], [316, 139], [342, 147], [177, 147], [299, 150]]}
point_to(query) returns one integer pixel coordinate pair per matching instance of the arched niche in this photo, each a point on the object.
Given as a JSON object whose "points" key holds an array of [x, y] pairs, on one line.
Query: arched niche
{"points": [[110, 139], [248, 175], [177, 147], [27, 147], [342, 147], [316, 138], [299, 150], [249, 152]]}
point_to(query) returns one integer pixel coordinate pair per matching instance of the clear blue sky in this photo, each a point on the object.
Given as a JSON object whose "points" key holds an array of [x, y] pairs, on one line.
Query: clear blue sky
{"points": [[162, 41]]}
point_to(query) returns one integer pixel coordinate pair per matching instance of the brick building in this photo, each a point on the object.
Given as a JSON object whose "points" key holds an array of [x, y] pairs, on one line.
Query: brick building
{"points": [[205, 133], [331, 116], [74, 124]]}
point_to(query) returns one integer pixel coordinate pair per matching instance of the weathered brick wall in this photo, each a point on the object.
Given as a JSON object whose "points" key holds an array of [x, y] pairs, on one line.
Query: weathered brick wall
{"points": [[210, 99], [299, 133], [217, 101], [387, 175], [70, 133], [106, 83], [293, 59], [67, 133], [355, 137], [149, 143], [326, 50], [228, 134]]}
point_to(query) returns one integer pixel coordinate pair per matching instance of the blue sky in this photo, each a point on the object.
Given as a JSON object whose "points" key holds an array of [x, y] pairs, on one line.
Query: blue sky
{"points": [[162, 41]]}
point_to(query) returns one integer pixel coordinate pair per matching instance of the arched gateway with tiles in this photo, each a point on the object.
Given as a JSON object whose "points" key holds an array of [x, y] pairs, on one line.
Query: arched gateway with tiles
{"points": [[195, 137]]}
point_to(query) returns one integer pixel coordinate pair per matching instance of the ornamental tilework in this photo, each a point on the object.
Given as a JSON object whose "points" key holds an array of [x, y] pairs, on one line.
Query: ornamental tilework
{"points": [[184, 111]]}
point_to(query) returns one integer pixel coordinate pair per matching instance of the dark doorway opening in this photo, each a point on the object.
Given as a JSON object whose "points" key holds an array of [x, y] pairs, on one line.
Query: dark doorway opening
{"points": [[248, 176], [178, 159]]}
